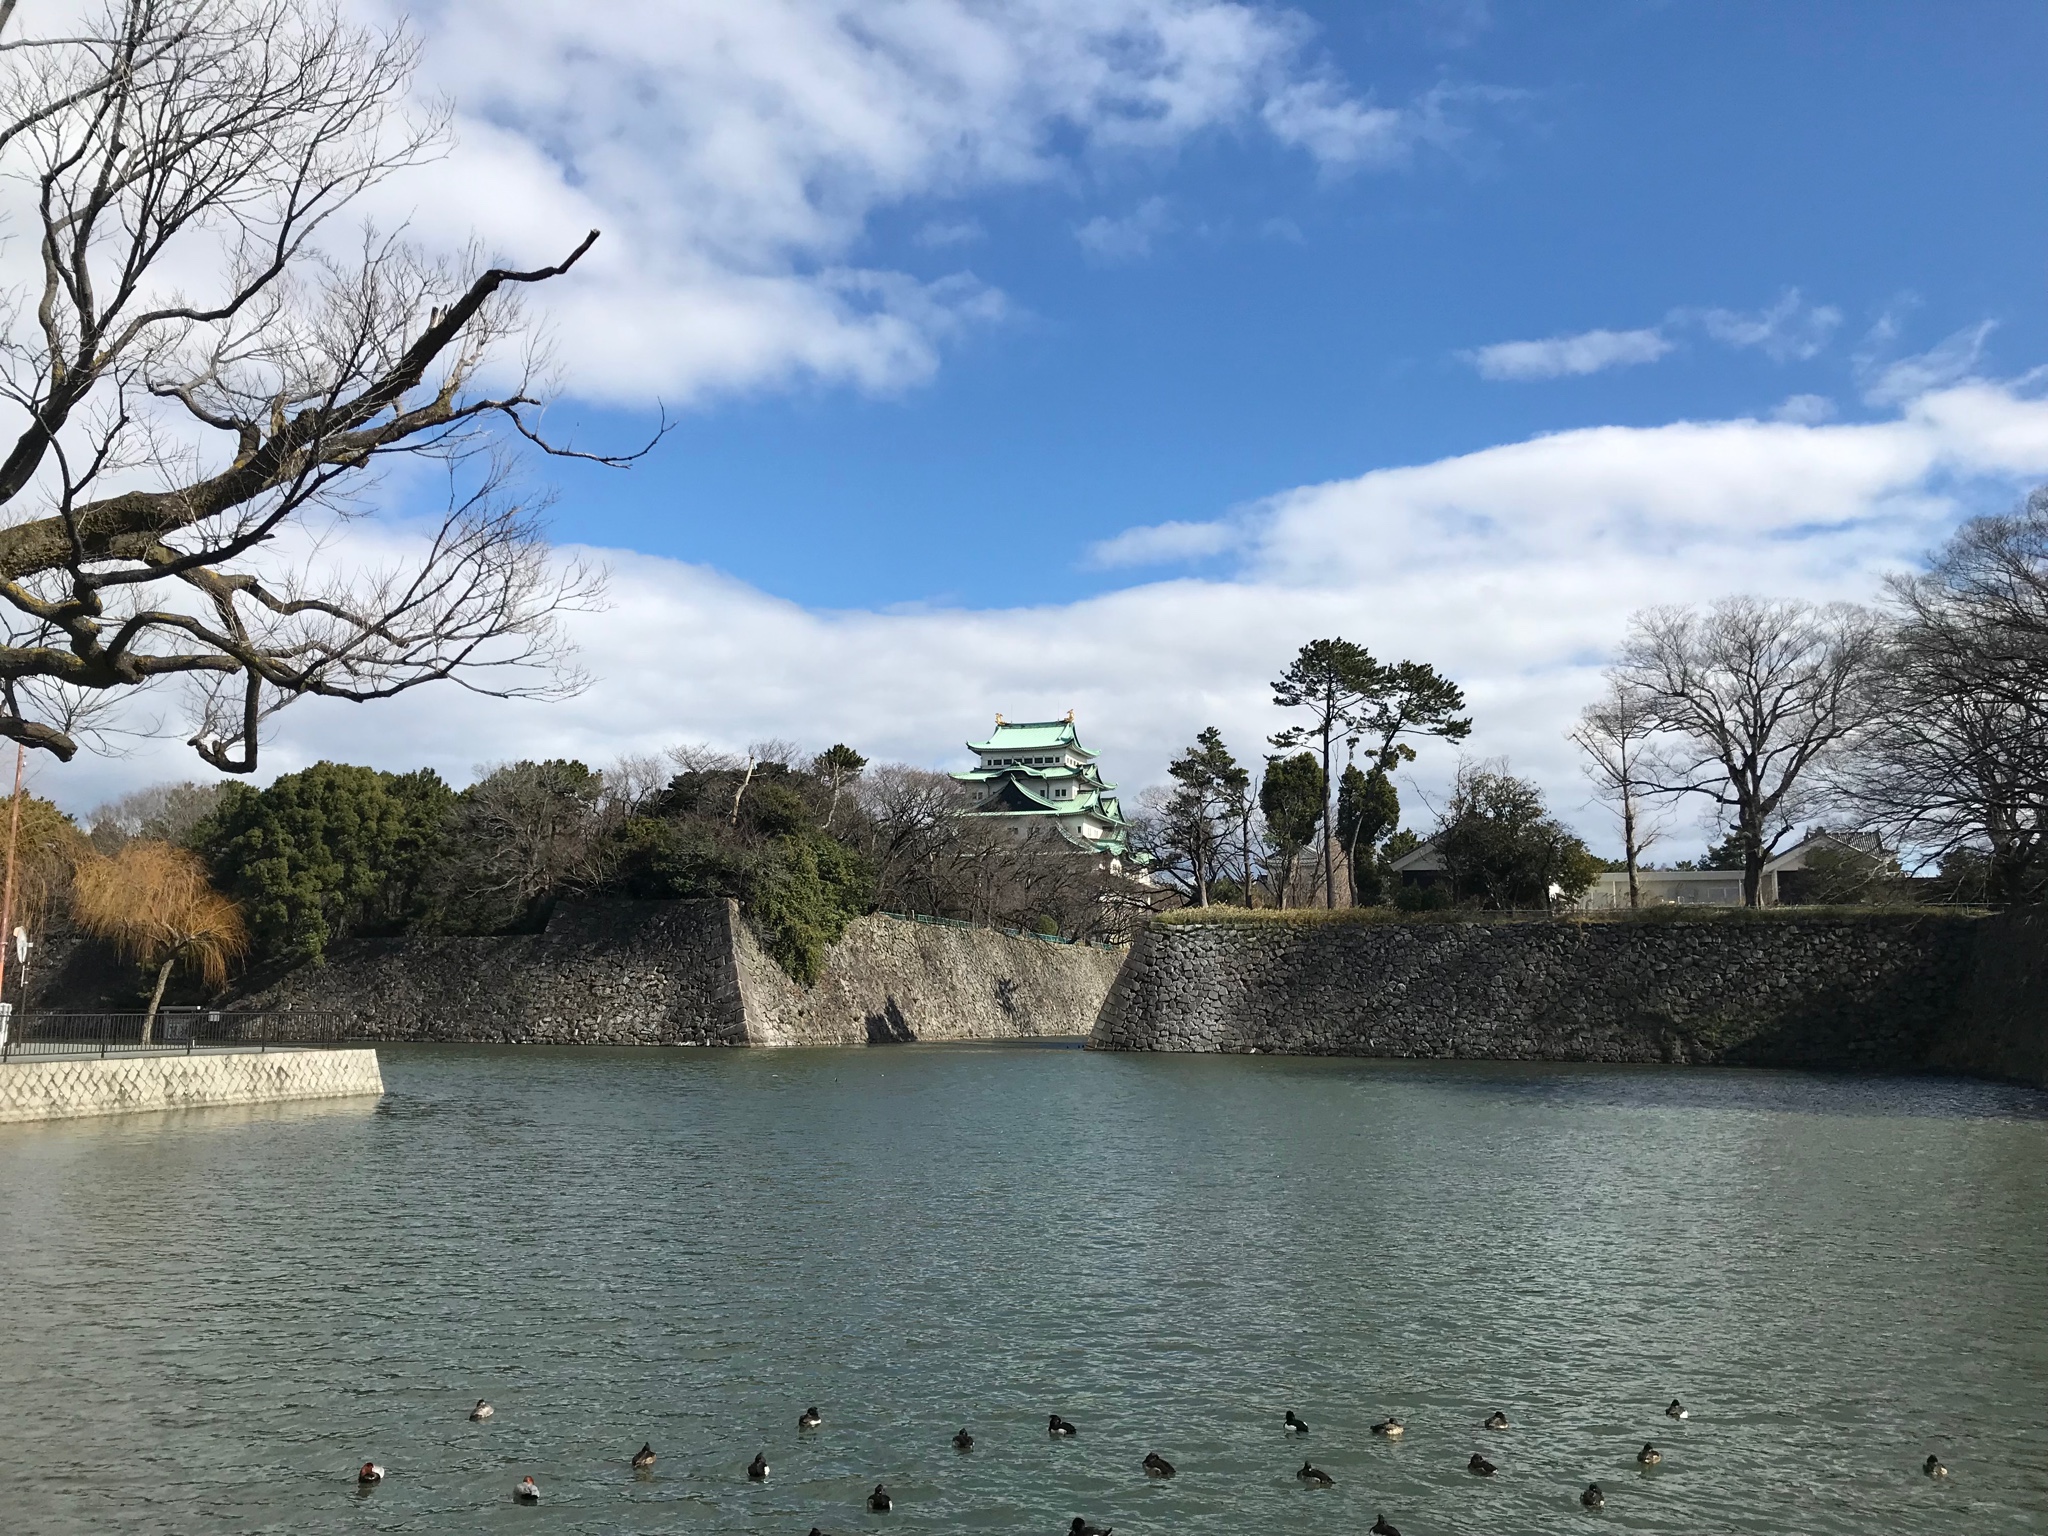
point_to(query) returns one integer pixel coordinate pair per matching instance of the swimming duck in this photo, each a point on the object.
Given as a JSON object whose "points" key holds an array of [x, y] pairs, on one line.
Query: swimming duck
{"points": [[1593, 1498], [1649, 1455], [1479, 1466], [879, 1501], [526, 1492], [481, 1411], [1933, 1467], [1380, 1527], [963, 1441], [1157, 1465], [643, 1458], [1294, 1426], [1496, 1420], [1081, 1527], [1315, 1477], [370, 1473], [1676, 1410], [1055, 1425], [1393, 1429], [757, 1469], [808, 1419]]}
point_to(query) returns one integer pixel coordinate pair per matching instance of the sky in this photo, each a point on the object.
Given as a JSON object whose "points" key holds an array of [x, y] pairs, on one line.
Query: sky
{"points": [[1096, 354]]}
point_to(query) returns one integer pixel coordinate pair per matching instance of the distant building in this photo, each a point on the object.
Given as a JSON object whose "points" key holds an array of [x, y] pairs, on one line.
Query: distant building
{"points": [[1786, 881], [1036, 774]]}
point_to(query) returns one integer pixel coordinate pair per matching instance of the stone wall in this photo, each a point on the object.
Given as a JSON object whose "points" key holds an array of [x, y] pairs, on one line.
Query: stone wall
{"points": [[2000, 1025], [65, 1089], [692, 973], [1869, 991]]}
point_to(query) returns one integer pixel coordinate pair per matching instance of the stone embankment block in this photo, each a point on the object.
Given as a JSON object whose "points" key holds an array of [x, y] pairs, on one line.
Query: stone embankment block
{"points": [[67, 1088], [692, 973], [1868, 992]]}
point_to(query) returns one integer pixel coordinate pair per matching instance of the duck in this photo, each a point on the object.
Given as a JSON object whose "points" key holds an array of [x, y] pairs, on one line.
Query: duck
{"points": [[757, 1469], [879, 1501], [1381, 1527], [1055, 1425], [1676, 1410], [1157, 1465], [1392, 1429], [1496, 1420], [526, 1492], [1293, 1425], [1593, 1498], [370, 1473], [963, 1441], [481, 1411], [1649, 1455], [809, 1419], [1081, 1527], [1479, 1466], [1933, 1468], [1315, 1477], [643, 1458]]}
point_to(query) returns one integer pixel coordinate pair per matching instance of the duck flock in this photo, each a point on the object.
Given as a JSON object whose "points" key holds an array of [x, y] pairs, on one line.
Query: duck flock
{"points": [[881, 1501]]}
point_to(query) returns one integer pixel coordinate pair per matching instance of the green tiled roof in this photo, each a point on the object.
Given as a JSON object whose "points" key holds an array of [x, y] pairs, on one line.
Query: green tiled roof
{"points": [[1030, 736]]}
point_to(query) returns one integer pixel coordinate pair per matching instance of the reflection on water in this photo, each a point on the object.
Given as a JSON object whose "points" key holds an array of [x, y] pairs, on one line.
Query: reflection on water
{"points": [[212, 1318]]}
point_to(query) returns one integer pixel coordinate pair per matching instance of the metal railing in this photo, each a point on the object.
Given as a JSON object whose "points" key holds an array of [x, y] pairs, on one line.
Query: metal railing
{"points": [[177, 1032]]}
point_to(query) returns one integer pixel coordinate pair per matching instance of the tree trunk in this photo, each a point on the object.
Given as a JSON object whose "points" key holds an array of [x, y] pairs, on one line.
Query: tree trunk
{"points": [[163, 977], [1752, 869], [1246, 826], [1329, 853], [1628, 844], [832, 809]]}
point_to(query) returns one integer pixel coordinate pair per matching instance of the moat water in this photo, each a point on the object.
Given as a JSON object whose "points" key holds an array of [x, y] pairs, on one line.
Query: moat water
{"points": [[208, 1320]]}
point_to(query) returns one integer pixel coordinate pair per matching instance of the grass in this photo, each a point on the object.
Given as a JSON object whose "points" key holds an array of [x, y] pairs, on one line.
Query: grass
{"points": [[1308, 917]]}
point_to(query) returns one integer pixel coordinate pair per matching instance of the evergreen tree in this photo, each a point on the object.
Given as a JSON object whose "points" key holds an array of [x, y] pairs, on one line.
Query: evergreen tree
{"points": [[1293, 798]]}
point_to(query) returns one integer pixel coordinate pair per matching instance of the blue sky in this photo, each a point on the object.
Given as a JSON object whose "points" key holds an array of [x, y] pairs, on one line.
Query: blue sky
{"points": [[1258, 322], [1098, 353]]}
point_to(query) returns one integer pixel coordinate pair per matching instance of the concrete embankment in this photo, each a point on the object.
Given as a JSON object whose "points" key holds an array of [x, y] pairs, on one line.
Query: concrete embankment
{"points": [[66, 1088], [692, 973], [1866, 991]]}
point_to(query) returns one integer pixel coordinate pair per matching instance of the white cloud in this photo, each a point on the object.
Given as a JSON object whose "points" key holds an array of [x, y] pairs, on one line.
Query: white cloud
{"points": [[1954, 358], [733, 152], [1791, 330], [1805, 410], [1513, 569], [1165, 544], [1127, 238], [1567, 356], [944, 232]]}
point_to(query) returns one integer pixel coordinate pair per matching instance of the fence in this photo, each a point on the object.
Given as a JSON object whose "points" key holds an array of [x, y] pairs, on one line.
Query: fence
{"points": [[178, 1031], [1015, 933]]}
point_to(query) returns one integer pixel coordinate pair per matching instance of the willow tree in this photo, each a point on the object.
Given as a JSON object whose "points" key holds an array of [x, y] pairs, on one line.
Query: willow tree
{"points": [[207, 374], [155, 904]]}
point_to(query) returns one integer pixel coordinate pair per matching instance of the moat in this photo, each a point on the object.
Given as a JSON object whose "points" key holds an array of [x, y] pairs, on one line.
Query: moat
{"points": [[212, 1318]]}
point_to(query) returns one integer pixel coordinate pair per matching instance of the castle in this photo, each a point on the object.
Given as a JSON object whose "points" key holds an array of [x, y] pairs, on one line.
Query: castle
{"points": [[1036, 773]]}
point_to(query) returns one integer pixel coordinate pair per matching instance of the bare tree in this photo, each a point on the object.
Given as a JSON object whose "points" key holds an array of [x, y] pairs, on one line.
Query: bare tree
{"points": [[1748, 697], [166, 813], [207, 380], [1956, 758], [1615, 733]]}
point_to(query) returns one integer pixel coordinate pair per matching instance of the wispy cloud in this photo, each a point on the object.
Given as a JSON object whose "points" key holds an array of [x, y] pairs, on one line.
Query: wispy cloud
{"points": [[1165, 544], [944, 232], [1559, 357], [1791, 330], [1805, 410], [1126, 238], [1949, 360]]}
